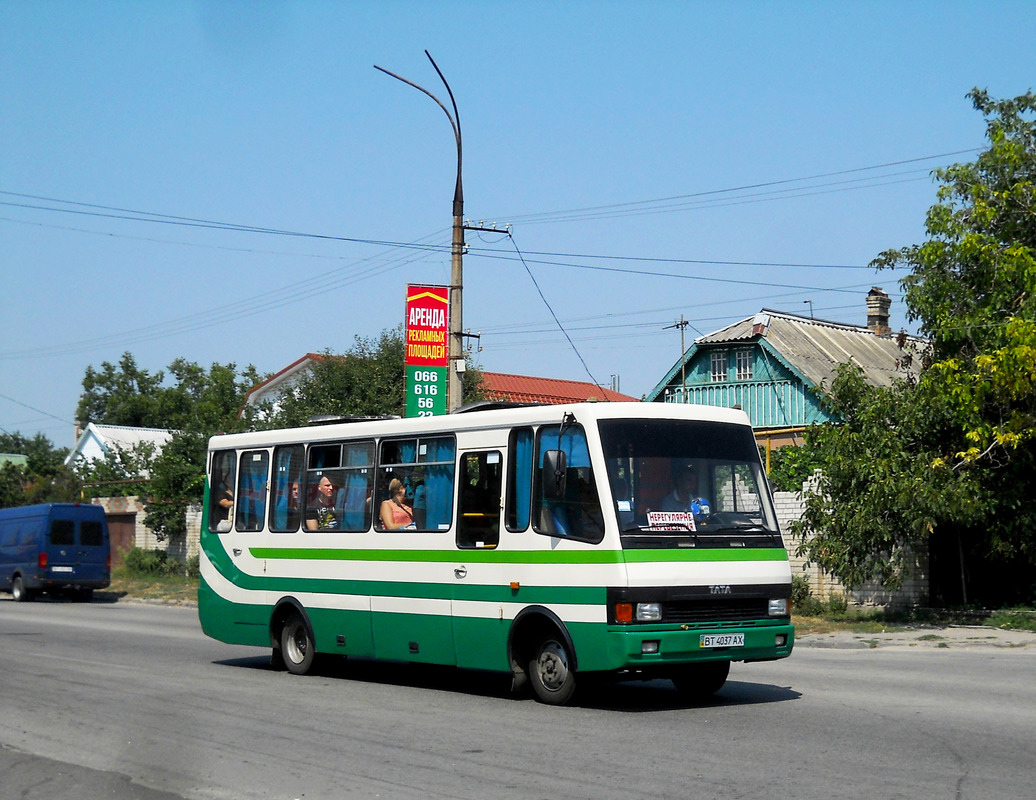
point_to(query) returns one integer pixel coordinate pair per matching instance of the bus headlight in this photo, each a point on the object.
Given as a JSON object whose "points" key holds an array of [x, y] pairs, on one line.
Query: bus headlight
{"points": [[649, 612], [778, 607]]}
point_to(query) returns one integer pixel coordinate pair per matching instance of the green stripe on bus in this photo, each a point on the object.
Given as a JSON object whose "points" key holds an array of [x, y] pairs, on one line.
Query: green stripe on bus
{"points": [[520, 556]]}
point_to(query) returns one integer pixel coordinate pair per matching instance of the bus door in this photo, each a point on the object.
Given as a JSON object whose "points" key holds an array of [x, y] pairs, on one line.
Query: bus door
{"points": [[478, 624]]}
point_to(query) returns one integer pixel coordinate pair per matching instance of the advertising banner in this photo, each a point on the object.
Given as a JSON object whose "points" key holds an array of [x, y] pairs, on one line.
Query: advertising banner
{"points": [[427, 350]]}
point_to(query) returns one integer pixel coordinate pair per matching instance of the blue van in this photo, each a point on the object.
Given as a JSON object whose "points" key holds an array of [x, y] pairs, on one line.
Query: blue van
{"points": [[60, 548]]}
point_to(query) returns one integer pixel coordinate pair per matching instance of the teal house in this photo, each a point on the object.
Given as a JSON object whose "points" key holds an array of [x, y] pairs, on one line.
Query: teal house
{"points": [[769, 365]]}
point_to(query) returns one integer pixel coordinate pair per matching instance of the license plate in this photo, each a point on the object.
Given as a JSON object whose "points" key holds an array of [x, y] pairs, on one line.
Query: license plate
{"points": [[722, 640], [62, 569]]}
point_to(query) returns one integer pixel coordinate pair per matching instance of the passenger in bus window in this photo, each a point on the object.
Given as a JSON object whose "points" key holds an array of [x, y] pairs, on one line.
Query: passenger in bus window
{"points": [[224, 498], [321, 514], [395, 513], [684, 496]]}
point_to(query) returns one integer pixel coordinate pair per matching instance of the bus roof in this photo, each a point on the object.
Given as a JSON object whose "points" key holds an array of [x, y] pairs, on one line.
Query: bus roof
{"points": [[474, 419]]}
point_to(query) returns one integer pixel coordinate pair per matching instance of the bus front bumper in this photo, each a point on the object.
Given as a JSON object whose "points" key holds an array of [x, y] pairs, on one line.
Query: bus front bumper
{"points": [[658, 646]]}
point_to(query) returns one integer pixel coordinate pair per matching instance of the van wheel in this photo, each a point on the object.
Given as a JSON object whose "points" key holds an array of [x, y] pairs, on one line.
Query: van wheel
{"points": [[702, 680], [21, 594], [552, 678], [297, 647]]}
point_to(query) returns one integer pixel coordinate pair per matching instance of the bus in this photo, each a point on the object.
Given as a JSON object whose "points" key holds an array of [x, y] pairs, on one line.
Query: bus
{"points": [[551, 542]]}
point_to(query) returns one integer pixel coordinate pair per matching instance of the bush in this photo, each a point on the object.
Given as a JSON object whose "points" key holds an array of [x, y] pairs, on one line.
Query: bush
{"points": [[192, 567], [802, 600], [140, 562], [145, 562]]}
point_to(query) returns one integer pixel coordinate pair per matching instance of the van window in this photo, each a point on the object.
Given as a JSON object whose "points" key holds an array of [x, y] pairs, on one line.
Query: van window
{"points": [[63, 532], [91, 533]]}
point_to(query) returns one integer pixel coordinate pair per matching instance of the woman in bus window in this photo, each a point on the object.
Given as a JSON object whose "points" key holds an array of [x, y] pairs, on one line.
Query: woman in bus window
{"points": [[395, 513]]}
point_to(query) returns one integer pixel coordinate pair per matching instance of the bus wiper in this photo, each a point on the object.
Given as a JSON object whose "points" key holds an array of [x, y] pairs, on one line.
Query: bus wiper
{"points": [[751, 528]]}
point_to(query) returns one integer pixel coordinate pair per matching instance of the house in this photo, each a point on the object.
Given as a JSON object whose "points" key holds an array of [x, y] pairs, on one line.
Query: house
{"points": [[771, 363], [495, 386], [95, 441]]}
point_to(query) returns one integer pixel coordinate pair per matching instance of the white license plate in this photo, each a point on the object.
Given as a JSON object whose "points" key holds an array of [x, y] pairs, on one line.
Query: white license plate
{"points": [[62, 569], [722, 640]]}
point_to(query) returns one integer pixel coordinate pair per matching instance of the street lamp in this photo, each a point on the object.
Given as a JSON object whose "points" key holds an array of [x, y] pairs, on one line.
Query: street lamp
{"points": [[456, 355]]}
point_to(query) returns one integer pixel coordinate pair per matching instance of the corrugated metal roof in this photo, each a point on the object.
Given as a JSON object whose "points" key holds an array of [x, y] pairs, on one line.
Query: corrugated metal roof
{"points": [[554, 391], [815, 348]]}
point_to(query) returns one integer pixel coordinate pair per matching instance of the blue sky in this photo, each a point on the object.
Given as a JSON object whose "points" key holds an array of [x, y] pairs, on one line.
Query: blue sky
{"points": [[616, 139]]}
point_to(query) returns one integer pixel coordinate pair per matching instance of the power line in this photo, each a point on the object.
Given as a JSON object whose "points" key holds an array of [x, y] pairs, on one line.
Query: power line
{"points": [[551, 310], [544, 216]]}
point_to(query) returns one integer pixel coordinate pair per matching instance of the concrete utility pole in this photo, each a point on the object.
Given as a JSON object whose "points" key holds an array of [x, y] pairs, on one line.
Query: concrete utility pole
{"points": [[455, 370]]}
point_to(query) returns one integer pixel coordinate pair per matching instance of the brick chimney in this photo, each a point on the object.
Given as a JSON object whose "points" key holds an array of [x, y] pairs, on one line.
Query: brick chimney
{"points": [[878, 305]]}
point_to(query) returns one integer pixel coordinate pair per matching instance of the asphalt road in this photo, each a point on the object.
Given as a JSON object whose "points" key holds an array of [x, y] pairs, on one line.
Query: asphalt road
{"points": [[132, 701]]}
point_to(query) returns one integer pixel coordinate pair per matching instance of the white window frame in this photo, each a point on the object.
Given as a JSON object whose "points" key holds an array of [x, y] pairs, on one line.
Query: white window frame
{"points": [[718, 366], [744, 365]]}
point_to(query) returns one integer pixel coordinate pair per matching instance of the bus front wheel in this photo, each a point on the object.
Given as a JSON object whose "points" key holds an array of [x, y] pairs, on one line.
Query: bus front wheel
{"points": [[297, 648], [550, 673]]}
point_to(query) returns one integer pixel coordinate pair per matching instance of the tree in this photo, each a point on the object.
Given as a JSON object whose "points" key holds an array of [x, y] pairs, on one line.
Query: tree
{"points": [[121, 395], [43, 478], [948, 463], [195, 404]]}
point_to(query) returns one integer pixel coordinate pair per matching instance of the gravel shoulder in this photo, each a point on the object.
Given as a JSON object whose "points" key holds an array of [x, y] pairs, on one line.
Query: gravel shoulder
{"points": [[951, 637]]}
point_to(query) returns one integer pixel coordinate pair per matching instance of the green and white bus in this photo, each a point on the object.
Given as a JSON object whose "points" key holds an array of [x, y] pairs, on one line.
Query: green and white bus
{"points": [[547, 542]]}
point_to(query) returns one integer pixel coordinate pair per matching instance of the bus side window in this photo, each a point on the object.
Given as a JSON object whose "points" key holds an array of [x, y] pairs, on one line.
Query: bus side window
{"points": [[286, 492], [478, 524], [576, 514], [221, 490], [251, 490], [519, 479], [425, 466]]}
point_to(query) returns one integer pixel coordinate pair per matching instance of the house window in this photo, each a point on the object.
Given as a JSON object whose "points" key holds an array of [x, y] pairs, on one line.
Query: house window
{"points": [[744, 365], [719, 366]]}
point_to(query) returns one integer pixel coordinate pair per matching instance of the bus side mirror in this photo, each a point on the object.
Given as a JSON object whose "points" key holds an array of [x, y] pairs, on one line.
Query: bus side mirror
{"points": [[554, 474]]}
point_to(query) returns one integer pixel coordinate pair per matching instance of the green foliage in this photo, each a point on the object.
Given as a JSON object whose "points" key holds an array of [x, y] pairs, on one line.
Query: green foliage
{"points": [[1022, 620], [121, 395], [194, 402], [802, 600], [42, 479], [139, 562], [951, 459], [790, 467], [178, 479]]}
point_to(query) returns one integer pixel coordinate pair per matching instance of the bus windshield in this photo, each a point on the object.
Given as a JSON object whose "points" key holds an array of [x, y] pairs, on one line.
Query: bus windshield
{"points": [[682, 483]]}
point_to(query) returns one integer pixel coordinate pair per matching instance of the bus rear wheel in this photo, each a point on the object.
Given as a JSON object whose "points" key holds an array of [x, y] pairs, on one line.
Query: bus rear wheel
{"points": [[702, 680], [550, 673], [297, 648]]}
